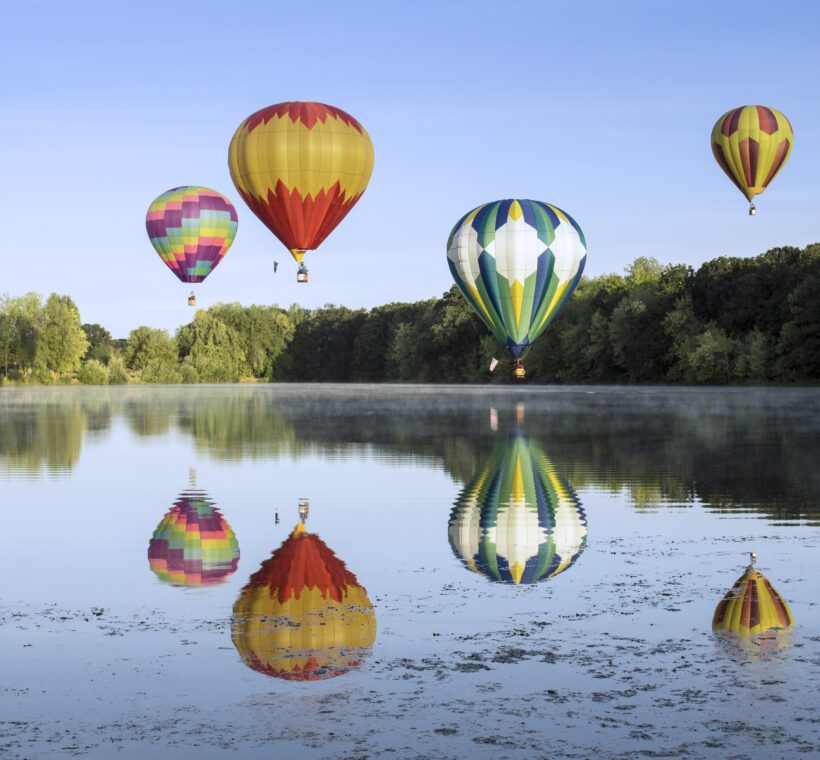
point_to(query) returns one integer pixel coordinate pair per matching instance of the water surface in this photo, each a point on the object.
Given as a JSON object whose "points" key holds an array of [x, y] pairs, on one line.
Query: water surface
{"points": [[534, 571]]}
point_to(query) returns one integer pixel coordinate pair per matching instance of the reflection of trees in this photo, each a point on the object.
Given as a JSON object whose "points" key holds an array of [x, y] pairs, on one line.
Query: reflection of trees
{"points": [[151, 415], [732, 449], [99, 414], [239, 425], [45, 430]]}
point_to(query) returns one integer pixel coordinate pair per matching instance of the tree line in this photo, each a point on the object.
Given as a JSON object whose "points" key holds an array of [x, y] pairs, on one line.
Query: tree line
{"points": [[730, 321]]}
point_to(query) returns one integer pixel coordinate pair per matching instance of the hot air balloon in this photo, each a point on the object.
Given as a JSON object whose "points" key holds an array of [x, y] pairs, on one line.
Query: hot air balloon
{"points": [[751, 144], [191, 228], [300, 167], [193, 545], [517, 521], [753, 611], [303, 616], [517, 263]]}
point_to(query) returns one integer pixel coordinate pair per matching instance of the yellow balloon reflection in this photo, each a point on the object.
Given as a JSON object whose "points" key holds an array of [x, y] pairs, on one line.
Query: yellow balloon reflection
{"points": [[303, 616], [753, 613], [517, 521]]}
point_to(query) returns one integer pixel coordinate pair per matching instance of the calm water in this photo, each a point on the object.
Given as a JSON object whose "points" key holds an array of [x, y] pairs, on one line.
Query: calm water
{"points": [[528, 573]]}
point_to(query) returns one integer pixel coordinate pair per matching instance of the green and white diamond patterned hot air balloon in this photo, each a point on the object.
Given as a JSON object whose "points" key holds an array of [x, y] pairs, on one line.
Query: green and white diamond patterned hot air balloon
{"points": [[518, 521], [517, 263]]}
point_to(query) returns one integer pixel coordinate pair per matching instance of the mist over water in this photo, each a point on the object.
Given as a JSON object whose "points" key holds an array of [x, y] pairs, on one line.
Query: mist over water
{"points": [[488, 571]]}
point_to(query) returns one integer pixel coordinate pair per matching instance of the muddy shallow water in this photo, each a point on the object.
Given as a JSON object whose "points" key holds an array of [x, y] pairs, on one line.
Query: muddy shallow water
{"points": [[539, 569]]}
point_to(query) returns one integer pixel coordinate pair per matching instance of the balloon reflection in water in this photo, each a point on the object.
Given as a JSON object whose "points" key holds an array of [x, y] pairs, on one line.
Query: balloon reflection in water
{"points": [[303, 615], [753, 613], [518, 521], [193, 545]]}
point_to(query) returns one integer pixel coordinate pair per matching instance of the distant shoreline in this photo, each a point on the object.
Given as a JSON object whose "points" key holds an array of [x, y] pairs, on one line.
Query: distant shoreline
{"points": [[733, 321]]}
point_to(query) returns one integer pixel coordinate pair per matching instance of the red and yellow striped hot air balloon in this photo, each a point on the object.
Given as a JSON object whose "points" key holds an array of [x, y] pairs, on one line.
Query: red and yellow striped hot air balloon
{"points": [[300, 167], [303, 616], [751, 144], [752, 608]]}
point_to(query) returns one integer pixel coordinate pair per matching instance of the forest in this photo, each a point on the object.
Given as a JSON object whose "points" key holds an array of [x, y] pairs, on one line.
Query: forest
{"points": [[730, 321]]}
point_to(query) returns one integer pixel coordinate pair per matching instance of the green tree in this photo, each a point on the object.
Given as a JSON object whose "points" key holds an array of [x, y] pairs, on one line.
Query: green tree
{"points": [[60, 342], [404, 352], [740, 295], [100, 343], [798, 347], [8, 333], [753, 357], [188, 372], [323, 345], [453, 345], [372, 347], [212, 348], [683, 329], [264, 332], [93, 372], [117, 374], [160, 371], [19, 323], [714, 356], [640, 344], [146, 345], [576, 345]]}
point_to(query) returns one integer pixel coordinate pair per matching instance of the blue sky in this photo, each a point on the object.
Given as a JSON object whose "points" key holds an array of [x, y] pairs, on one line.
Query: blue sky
{"points": [[601, 108]]}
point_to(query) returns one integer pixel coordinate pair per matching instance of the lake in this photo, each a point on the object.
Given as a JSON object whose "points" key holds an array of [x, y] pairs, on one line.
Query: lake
{"points": [[505, 572]]}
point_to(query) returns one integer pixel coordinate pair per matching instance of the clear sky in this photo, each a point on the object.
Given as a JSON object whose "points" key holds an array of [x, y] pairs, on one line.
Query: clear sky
{"points": [[601, 108]]}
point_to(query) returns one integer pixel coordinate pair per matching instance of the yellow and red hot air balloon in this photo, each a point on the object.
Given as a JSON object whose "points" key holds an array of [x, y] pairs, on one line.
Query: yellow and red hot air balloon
{"points": [[303, 616], [300, 166], [752, 609], [751, 144]]}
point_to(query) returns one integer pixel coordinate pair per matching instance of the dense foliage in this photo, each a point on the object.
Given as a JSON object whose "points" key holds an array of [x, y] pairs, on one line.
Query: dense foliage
{"points": [[732, 320]]}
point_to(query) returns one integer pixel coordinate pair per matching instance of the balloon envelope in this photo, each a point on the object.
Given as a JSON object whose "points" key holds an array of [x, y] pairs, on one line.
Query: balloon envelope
{"points": [[301, 167], [191, 228], [752, 607], [193, 545], [303, 616], [517, 263], [751, 144], [517, 521]]}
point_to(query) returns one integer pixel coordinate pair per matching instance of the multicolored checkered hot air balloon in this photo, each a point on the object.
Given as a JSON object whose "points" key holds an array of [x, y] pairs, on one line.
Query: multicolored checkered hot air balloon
{"points": [[517, 263], [301, 167], [751, 144], [191, 228], [752, 609], [193, 545], [518, 521], [303, 616]]}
